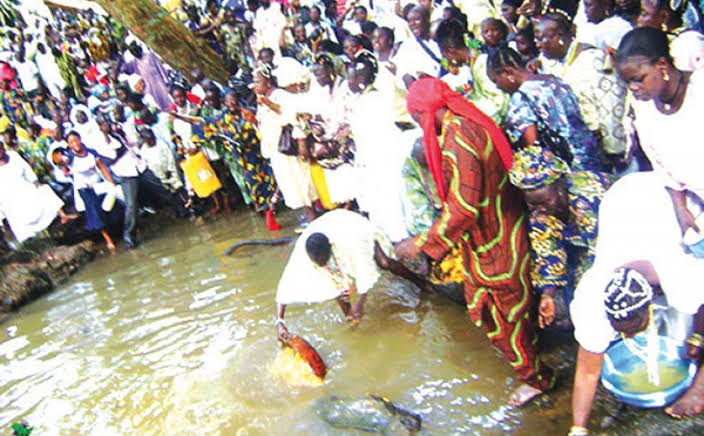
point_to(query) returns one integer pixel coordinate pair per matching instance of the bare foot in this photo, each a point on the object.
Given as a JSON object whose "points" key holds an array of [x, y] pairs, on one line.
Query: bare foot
{"points": [[523, 395], [111, 248], [691, 403]]}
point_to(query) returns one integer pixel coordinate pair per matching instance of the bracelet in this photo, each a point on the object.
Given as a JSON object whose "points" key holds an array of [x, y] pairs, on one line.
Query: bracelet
{"points": [[696, 340], [577, 430], [280, 321]]}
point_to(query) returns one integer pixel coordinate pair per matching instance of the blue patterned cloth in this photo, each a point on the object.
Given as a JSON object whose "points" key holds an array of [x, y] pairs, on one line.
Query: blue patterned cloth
{"points": [[563, 251], [558, 107]]}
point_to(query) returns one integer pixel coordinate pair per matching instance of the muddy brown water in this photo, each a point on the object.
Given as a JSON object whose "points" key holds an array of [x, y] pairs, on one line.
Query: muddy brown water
{"points": [[175, 338]]}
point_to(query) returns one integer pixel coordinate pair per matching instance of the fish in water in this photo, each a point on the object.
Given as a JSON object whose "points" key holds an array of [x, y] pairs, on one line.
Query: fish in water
{"points": [[371, 413], [270, 242], [307, 353]]}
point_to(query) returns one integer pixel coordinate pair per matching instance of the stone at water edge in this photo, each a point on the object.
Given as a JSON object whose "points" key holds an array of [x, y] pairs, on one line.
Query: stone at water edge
{"points": [[370, 413]]}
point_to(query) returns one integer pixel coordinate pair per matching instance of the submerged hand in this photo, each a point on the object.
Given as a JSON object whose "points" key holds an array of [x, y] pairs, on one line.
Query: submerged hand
{"points": [[546, 311]]}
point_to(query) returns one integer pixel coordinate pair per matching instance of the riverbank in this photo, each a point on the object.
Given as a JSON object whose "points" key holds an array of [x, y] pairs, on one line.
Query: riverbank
{"points": [[172, 337], [40, 265]]}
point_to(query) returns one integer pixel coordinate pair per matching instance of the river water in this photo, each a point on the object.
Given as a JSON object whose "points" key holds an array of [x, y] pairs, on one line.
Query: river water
{"points": [[175, 338]]}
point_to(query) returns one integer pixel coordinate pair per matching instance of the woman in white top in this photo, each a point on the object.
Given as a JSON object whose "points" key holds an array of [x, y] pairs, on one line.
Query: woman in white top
{"points": [[644, 215], [275, 109], [88, 172]]}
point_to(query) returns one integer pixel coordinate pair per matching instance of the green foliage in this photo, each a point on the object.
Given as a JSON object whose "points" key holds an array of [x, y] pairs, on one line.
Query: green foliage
{"points": [[21, 429]]}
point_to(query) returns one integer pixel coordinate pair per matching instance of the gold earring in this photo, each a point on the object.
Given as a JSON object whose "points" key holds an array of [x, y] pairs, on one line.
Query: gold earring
{"points": [[665, 76], [560, 42], [511, 79], [663, 27]]}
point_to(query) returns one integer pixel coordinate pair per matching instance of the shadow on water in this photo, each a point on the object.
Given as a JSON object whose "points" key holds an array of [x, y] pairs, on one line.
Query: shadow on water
{"points": [[176, 338]]}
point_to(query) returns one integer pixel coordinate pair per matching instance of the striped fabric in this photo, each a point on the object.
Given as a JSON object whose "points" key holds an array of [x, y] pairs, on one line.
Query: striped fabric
{"points": [[485, 215]]}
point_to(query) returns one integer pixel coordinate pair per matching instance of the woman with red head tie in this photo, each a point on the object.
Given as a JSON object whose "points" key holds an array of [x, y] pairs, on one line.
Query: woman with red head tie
{"points": [[485, 215]]}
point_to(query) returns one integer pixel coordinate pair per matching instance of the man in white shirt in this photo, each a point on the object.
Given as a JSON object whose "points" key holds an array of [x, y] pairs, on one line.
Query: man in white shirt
{"points": [[128, 165], [316, 26], [419, 56]]}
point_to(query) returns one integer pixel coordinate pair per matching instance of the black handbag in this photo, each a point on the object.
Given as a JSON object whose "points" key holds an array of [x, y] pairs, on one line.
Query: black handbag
{"points": [[287, 145], [549, 138]]}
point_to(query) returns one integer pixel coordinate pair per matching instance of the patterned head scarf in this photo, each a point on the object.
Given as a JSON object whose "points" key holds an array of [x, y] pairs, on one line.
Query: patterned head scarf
{"points": [[429, 94], [627, 292], [535, 167], [324, 59], [266, 71]]}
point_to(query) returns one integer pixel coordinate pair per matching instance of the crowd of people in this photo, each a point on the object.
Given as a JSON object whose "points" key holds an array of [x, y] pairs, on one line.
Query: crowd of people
{"points": [[543, 154]]}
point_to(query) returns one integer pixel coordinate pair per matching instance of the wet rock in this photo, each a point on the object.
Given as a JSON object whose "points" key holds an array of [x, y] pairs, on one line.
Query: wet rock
{"points": [[372, 413]]}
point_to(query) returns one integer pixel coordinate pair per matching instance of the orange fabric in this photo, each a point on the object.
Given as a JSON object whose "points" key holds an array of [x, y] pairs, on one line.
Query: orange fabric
{"points": [[429, 94]]}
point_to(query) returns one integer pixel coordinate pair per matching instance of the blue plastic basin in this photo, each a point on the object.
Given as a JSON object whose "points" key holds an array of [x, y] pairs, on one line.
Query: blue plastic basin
{"points": [[618, 360]]}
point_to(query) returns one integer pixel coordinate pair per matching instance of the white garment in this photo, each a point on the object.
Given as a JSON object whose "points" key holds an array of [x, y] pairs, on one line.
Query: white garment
{"points": [[161, 162], [28, 208], [352, 239], [28, 74], [334, 108], [636, 222], [268, 25], [670, 141], [84, 170], [289, 71], [130, 164], [352, 26], [327, 31], [50, 73], [393, 90], [292, 174], [606, 33], [412, 59], [381, 149]]}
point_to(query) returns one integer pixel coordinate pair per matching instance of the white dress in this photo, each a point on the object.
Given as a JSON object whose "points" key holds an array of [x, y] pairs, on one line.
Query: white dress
{"points": [[352, 239], [672, 142], [292, 174], [636, 222], [381, 151], [29, 208], [334, 109]]}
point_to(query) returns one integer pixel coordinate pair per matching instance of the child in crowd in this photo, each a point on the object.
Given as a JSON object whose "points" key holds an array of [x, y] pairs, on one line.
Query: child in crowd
{"points": [[494, 34]]}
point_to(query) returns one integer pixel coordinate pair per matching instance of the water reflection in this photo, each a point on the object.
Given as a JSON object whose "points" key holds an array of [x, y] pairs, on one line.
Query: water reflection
{"points": [[174, 338]]}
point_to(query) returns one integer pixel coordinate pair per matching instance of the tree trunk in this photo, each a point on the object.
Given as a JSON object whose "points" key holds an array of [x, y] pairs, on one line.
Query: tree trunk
{"points": [[170, 39]]}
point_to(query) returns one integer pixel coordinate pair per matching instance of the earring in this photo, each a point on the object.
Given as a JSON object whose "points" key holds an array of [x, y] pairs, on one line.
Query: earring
{"points": [[511, 79], [663, 27], [665, 76], [560, 42]]}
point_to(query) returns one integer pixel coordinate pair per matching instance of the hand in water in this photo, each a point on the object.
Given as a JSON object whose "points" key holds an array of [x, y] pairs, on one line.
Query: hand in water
{"points": [[546, 311]]}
